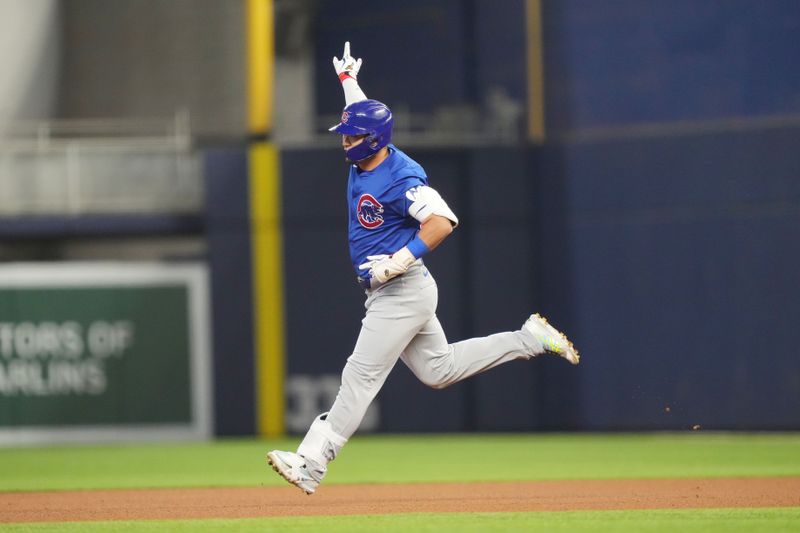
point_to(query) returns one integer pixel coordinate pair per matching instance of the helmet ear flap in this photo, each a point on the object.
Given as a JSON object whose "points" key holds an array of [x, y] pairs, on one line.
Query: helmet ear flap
{"points": [[362, 150], [367, 116]]}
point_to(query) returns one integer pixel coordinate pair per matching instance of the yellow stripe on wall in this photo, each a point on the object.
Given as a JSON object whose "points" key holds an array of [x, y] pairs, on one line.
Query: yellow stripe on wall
{"points": [[265, 227], [536, 102], [268, 313], [260, 65]]}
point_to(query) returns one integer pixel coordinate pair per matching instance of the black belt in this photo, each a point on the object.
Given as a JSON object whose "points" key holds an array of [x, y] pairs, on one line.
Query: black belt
{"points": [[368, 284]]}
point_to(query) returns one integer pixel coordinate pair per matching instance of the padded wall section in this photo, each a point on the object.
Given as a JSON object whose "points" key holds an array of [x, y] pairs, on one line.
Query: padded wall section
{"points": [[684, 256], [228, 234]]}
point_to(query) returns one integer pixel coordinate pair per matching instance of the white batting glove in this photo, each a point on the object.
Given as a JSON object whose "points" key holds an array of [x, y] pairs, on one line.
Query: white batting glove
{"points": [[371, 260], [347, 66], [385, 267]]}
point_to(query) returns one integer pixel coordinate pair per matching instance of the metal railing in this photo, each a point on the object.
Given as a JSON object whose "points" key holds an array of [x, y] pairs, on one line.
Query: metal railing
{"points": [[76, 167]]}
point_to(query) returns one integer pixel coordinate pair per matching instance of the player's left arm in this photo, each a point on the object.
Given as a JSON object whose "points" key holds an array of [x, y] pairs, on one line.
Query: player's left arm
{"points": [[437, 222], [434, 230]]}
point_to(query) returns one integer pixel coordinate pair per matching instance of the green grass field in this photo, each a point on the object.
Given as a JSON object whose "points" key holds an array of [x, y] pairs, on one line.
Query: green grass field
{"points": [[404, 459]]}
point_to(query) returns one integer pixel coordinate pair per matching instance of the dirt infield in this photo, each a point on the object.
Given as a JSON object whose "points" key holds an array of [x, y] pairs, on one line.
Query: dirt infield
{"points": [[386, 499]]}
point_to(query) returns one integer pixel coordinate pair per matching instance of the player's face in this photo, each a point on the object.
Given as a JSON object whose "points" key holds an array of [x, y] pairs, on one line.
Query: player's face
{"points": [[349, 141]]}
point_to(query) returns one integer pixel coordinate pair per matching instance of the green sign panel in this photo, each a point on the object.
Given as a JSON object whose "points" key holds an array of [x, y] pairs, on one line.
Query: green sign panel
{"points": [[86, 356]]}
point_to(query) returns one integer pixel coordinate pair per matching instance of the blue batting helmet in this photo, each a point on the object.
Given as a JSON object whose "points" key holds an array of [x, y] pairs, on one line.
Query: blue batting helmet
{"points": [[366, 117]]}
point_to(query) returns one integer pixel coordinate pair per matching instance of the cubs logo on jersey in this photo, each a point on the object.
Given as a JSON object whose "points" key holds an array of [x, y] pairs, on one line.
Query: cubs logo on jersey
{"points": [[369, 211]]}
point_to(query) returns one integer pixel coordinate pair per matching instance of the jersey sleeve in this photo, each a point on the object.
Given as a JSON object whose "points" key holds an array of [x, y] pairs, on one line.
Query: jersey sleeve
{"points": [[400, 201]]}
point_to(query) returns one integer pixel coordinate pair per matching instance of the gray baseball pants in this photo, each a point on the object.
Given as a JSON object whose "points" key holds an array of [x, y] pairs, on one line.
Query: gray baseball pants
{"points": [[401, 322]]}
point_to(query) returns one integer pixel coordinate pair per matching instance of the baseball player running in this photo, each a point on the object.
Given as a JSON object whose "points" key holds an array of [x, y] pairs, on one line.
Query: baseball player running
{"points": [[395, 218]]}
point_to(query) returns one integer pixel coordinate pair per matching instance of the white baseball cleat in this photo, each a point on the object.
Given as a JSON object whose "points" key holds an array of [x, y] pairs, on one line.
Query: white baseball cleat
{"points": [[297, 470], [553, 341]]}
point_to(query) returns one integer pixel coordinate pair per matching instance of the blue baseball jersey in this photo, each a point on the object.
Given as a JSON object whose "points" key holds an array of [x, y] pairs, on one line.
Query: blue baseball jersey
{"points": [[378, 207]]}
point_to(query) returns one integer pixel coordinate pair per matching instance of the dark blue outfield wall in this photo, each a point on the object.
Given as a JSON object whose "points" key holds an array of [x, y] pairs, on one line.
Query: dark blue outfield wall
{"points": [[229, 258], [684, 259], [673, 263]]}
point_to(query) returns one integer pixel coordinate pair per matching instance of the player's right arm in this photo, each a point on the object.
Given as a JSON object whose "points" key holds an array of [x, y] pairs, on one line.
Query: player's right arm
{"points": [[434, 230], [347, 69]]}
